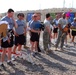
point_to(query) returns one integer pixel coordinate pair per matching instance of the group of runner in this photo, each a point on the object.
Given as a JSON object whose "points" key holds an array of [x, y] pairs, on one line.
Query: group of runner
{"points": [[16, 32], [17, 29]]}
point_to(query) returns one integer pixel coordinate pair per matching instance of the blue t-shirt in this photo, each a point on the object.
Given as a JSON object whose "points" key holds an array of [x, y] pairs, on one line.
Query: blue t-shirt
{"points": [[35, 25], [69, 21], [29, 23], [21, 25], [9, 20], [73, 24], [55, 22]]}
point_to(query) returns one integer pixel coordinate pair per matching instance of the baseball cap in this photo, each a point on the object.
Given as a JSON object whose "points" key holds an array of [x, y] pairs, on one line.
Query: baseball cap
{"points": [[67, 15]]}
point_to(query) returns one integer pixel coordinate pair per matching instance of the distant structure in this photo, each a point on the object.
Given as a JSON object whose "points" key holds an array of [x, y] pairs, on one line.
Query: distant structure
{"points": [[52, 11]]}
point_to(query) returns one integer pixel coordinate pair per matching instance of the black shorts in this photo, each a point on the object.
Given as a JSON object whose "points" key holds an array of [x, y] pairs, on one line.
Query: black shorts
{"points": [[20, 39], [6, 44], [34, 37], [68, 30], [73, 33], [55, 30]]}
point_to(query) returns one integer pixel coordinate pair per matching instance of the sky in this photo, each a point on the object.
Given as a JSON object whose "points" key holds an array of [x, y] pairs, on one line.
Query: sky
{"points": [[22, 5]]}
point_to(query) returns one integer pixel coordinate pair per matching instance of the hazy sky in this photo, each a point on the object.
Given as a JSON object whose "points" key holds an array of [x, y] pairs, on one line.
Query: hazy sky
{"points": [[19, 5]]}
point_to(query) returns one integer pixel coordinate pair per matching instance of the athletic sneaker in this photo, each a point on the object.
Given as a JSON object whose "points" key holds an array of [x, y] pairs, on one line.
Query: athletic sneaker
{"points": [[26, 47], [61, 49], [33, 54], [21, 56], [56, 49], [49, 47], [65, 45], [47, 51], [2, 66], [74, 44], [36, 52], [10, 63]]}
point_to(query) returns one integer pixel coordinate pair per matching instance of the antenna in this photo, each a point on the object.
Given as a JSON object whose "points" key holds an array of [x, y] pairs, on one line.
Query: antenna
{"points": [[64, 4], [72, 3]]}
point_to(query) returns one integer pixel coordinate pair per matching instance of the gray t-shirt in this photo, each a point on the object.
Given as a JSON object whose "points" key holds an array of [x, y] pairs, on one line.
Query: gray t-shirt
{"points": [[47, 23], [21, 25], [62, 22], [35, 25], [9, 20], [10, 25]]}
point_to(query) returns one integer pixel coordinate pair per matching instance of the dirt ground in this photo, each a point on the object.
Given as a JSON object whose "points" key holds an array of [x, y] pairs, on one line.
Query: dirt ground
{"points": [[55, 63]]}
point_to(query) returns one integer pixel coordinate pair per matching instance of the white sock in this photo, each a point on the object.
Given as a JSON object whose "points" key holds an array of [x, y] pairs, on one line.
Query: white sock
{"points": [[9, 61], [13, 55], [18, 52]]}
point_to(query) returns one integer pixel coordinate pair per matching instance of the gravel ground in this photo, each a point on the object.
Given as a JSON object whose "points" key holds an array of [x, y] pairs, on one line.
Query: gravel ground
{"points": [[55, 63]]}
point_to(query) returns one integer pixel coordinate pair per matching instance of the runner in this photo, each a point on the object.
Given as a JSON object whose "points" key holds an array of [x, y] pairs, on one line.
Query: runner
{"points": [[7, 43], [68, 33], [62, 23], [55, 31], [47, 34], [20, 33], [35, 31], [41, 28], [73, 27], [3, 30], [39, 19]]}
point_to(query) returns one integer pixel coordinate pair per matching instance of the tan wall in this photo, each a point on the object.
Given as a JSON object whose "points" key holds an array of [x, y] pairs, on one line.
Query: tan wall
{"points": [[43, 12]]}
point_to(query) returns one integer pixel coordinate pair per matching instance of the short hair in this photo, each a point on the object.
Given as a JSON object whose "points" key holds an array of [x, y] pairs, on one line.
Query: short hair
{"points": [[47, 15], [10, 10], [20, 14], [38, 13], [63, 14], [34, 15]]}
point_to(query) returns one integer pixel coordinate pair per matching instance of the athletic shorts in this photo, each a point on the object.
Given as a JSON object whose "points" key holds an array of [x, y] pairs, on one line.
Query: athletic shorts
{"points": [[6, 44], [68, 30], [20, 39], [34, 37], [55, 30], [73, 33]]}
